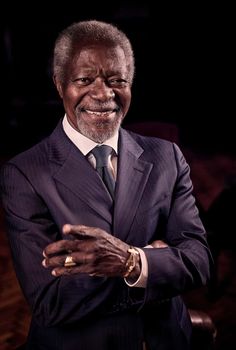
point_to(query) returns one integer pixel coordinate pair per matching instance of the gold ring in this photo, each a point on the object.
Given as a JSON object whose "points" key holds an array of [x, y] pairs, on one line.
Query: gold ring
{"points": [[69, 261]]}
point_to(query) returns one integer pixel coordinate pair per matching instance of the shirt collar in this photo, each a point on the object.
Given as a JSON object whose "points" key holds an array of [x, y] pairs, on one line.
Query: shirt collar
{"points": [[85, 144]]}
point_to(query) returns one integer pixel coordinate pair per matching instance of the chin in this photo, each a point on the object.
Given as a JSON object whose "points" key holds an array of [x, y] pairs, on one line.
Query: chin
{"points": [[98, 136], [101, 131]]}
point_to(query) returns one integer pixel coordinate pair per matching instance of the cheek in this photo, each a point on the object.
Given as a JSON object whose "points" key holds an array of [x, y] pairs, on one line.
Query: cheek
{"points": [[126, 101], [124, 96], [71, 100], [70, 95]]}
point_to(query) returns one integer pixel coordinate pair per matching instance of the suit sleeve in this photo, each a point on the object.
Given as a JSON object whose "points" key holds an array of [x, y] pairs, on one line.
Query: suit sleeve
{"points": [[30, 228], [187, 262]]}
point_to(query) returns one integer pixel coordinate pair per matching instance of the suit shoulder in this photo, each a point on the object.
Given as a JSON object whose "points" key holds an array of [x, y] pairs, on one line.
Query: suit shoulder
{"points": [[36, 153], [150, 141], [157, 149]]}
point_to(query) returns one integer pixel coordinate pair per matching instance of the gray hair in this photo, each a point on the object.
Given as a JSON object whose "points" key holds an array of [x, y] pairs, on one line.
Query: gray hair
{"points": [[89, 32]]}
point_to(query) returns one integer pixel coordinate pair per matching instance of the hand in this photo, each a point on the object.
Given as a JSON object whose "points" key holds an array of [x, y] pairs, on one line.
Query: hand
{"points": [[94, 251], [158, 244]]}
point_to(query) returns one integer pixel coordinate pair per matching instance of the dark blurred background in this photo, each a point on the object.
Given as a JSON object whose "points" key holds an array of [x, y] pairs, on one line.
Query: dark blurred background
{"points": [[184, 60], [185, 68]]}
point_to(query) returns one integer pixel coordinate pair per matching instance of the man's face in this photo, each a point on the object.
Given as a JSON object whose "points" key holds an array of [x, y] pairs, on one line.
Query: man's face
{"points": [[96, 92]]}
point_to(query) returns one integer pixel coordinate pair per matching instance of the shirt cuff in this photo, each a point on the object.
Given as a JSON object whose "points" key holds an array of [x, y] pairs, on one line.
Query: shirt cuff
{"points": [[142, 279]]}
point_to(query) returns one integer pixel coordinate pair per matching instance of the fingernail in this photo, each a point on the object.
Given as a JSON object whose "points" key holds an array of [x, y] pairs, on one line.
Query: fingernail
{"points": [[44, 263], [54, 273], [44, 254], [66, 228]]}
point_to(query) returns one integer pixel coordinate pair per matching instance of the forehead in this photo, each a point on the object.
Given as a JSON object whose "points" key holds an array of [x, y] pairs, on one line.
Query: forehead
{"points": [[106, 57]]}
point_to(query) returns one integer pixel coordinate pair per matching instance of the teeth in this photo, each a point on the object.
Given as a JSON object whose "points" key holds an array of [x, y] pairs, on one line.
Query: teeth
{"points": [[98, 113]]}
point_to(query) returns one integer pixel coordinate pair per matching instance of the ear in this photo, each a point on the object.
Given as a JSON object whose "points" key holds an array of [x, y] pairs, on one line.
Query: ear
{"points": [[58, 85]]}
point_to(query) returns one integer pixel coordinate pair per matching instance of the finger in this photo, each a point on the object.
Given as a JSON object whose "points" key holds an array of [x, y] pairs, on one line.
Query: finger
{"points": [[68, 229], [60, 271], [54, 262], [60, 247], [82, 231], [159, 244]]}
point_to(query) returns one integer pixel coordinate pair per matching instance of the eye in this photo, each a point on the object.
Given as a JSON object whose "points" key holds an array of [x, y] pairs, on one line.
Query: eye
{"points": [[118, 82], [82, 81]]}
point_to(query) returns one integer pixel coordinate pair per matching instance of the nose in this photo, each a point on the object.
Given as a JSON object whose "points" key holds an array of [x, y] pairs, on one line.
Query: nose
{"points": [[100, 90]]}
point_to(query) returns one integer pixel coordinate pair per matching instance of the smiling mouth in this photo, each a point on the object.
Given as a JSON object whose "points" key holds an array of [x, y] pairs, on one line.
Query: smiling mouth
{"points": [[103, 113]]}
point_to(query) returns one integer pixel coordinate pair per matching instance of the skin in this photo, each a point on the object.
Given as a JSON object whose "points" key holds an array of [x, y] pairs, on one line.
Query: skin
{"points": [[96, 92], [96, 95], [94, 251]]}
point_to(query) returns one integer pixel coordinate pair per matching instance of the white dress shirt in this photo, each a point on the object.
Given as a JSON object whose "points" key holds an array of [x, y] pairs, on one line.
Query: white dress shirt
{"points": [[86, 145]]}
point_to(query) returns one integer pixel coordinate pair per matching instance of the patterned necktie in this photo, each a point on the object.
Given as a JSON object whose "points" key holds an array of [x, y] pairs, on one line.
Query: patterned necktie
{"points": [[101, 153]]}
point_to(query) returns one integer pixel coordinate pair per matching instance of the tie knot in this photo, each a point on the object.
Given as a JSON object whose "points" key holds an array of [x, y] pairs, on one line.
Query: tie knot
{"points": [[101, 153]]}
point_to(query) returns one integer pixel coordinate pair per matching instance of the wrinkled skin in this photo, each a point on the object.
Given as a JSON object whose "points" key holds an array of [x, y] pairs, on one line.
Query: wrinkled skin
{"points": [[94, 251]]}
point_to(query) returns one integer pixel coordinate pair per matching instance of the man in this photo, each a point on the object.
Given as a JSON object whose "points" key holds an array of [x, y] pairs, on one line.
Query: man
{"points": [[103, 249]]}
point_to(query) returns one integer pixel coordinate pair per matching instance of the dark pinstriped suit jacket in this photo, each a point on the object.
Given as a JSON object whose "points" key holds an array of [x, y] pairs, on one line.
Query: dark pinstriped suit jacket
{"points": [[52, 184]]}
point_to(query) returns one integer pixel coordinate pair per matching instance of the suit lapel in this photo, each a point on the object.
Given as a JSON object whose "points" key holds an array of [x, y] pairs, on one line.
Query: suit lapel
{"points": [[132, 177], [73, 170]]}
